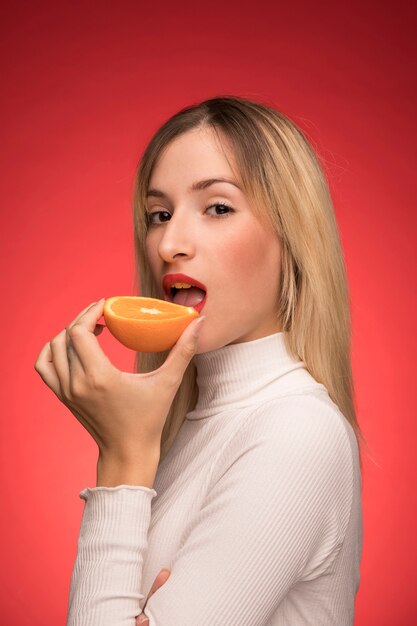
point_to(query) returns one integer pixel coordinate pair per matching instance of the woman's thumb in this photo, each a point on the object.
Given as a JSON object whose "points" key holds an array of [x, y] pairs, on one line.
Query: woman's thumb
{"points": [[183, 351], [196, 328]]}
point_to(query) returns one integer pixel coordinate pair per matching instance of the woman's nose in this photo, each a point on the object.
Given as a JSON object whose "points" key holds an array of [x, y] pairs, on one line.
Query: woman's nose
{"points": [[177, 239]]}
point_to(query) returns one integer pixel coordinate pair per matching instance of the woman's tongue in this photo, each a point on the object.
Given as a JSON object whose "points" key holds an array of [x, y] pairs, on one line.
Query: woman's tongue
{"points": [[189, 297]]}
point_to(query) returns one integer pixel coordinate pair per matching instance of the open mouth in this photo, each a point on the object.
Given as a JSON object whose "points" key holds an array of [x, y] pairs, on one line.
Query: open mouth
{"points": [[185, 290], [187, 296]]}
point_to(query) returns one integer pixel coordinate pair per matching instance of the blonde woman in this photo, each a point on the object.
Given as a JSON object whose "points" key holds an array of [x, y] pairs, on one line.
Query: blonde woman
{"points": [[232, 461]]}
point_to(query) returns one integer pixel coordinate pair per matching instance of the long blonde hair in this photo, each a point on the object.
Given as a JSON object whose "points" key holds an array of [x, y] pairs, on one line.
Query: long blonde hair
{"points": [[286, 186]]}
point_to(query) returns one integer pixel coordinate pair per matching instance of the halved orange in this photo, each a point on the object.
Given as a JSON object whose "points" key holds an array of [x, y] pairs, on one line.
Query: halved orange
{"points": [[146, 324]]}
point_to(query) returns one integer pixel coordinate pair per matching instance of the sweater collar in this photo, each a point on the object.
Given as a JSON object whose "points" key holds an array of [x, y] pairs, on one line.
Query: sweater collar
{"points": [[241, 374]]}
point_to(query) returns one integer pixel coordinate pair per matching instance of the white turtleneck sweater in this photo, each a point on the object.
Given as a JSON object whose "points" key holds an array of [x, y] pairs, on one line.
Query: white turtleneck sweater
{"points": [[256, 509]]}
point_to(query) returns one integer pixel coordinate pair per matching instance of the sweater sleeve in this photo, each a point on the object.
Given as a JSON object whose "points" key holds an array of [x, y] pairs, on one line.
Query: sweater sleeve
{"points": [[106, 579], [276, 514]]}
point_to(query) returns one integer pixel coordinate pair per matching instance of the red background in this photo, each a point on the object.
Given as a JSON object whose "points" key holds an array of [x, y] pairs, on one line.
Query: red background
{"points": [[85, 86]]}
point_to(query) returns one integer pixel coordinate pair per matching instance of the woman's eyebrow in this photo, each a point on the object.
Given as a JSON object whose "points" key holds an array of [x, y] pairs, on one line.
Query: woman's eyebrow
{"points": [[201, 184]]}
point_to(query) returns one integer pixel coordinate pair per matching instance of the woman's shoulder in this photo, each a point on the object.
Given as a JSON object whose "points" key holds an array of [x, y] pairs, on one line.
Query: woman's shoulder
{"points": [[302, 428], [292, 451], [301, 413]]}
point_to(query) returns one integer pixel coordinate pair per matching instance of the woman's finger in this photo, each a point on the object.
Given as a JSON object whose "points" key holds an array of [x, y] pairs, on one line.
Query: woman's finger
{"points": [[80, 314], [82, 335], [177, 361], [65, 361], [75, 365], [161, 579], [75, 321], [76, 369], [60, 361], [45, 367]]}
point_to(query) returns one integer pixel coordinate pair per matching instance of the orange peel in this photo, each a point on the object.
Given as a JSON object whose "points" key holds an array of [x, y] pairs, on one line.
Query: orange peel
{"points": [[146, 324]]}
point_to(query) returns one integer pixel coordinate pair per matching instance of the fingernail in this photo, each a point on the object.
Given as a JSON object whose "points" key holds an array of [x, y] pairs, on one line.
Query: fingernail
{"points": [[198, 326], [143, 620]]}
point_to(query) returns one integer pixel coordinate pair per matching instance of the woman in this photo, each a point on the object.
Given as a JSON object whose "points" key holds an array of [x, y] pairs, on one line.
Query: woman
{"points": [[233, 461]]}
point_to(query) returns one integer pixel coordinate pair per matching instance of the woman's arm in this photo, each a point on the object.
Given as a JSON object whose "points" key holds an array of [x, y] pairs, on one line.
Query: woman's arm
{"points": [[125, 414], [112, 543], [106, 580]]}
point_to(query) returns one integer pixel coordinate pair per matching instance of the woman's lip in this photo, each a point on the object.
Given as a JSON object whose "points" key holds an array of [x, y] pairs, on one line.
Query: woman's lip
{"points": [[169, 279], [198, 307]]}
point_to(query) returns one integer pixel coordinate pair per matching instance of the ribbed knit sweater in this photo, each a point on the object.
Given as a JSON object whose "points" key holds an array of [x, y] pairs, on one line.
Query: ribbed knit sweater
{"points": [[256, 509]]}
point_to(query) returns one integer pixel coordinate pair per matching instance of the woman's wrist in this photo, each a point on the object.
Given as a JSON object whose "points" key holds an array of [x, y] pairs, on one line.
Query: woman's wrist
{"points": [[139, 470]]}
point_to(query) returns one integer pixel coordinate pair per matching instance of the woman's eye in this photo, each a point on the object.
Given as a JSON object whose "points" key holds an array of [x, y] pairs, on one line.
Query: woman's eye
{"points": [[150, 217], [225, 209], [222, 206]]}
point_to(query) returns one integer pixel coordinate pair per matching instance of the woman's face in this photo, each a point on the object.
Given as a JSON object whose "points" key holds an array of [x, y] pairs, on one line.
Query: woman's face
{"points": [[226, 249]]}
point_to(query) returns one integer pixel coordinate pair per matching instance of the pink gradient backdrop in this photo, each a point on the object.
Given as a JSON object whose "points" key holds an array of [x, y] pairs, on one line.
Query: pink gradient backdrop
{"points": [[85, 86]]}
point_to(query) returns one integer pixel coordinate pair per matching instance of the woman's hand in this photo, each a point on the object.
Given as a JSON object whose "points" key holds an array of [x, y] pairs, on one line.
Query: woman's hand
{"points": [[160, 580], [123, 412]]}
